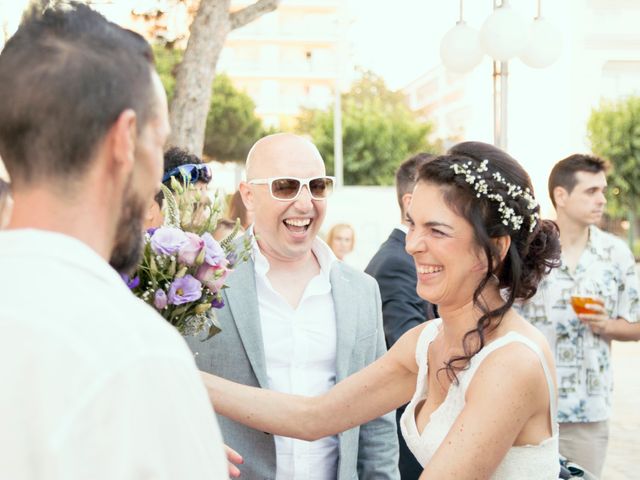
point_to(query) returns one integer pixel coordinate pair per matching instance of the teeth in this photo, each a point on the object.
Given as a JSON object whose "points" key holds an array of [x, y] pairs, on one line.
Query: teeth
{"points": [[298, 223], [430, 269]]}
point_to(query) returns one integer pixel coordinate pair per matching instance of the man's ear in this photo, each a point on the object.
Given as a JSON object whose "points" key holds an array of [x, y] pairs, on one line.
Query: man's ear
{"points": [[560, 196], [153, 211], [121, 140], [247, 196], [406, 200]]}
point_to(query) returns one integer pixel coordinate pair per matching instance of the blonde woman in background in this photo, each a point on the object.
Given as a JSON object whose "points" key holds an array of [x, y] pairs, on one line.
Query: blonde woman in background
{"points": [[341, 239]]}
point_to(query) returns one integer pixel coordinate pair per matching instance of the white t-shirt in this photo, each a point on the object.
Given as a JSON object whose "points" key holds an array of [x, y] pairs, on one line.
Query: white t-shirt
{"points": [[95, 384]]}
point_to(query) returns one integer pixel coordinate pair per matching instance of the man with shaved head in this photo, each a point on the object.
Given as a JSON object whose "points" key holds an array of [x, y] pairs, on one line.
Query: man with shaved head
{"points": [[297, 320]]}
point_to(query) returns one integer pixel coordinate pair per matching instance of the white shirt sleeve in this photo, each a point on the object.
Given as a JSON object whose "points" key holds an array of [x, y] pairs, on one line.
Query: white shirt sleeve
{"points": [[629, 290]]}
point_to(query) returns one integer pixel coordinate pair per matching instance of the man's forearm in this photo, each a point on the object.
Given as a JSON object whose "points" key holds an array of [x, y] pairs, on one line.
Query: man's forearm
{"points": [[621, 330]]}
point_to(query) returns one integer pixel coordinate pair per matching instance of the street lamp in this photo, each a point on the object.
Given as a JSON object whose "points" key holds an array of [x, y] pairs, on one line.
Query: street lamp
{"points": [[503, 36]]}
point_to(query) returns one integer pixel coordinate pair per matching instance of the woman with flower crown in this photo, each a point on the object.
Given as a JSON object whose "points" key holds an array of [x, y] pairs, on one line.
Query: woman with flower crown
{"points": [[480, 380]]}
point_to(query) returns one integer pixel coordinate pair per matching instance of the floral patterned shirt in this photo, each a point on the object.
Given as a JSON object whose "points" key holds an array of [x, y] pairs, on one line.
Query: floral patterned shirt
{"points": [[583, 358]]}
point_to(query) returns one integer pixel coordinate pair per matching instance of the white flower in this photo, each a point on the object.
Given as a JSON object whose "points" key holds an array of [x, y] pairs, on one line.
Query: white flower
{"points": [[480, 185]]}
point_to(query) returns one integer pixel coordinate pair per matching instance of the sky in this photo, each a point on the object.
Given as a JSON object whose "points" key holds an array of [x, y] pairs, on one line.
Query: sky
{"points": [[398, 40]]}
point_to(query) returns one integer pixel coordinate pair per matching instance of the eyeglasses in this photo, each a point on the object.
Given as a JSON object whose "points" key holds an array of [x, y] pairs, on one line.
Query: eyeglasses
{"points": [[288, 189], [190, 172]]}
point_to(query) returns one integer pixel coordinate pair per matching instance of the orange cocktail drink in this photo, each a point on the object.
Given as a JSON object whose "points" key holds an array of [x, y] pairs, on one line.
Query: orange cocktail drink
{"points": [[580, 302]]}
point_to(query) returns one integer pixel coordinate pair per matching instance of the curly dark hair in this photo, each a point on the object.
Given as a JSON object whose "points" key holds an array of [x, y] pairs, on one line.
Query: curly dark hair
{"points": [[175, 157], [533, 252]]}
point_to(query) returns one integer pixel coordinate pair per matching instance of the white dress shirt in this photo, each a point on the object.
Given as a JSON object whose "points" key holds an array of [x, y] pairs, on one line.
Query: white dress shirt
{"points": [[300, 354], [95, 384]]}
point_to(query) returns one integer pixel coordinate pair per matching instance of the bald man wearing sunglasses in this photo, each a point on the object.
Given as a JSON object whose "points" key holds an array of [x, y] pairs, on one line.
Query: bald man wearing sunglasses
{"points": [[297, 320]]}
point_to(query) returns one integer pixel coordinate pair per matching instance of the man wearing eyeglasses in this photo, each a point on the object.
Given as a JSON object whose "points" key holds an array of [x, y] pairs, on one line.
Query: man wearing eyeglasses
{"points": [[297, 320]]}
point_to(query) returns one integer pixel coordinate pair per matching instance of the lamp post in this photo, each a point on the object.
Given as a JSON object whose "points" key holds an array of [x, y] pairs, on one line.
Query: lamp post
{"points": [[503, 36]]}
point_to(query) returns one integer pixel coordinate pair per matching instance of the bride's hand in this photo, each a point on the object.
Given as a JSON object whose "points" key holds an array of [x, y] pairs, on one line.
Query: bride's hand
{"points": [[233, 458]]}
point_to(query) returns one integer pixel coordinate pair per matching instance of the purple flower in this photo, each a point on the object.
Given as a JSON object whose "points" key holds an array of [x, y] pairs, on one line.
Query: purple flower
{"points": [[167, 240], [131, 282], [151, 230], [190, 249], [160, 299], [212, 277], [214, 254], [217, 302], [184, 290]]}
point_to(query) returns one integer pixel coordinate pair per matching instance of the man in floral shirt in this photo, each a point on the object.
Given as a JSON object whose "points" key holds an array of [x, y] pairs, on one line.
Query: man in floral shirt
{"points": [[601, 265]]}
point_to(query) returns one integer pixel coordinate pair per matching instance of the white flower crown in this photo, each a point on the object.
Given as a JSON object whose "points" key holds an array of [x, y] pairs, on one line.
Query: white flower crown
{"points": [[508, 214]]}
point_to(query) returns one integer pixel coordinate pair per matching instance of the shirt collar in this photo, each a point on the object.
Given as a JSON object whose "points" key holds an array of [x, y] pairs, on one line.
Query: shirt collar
{"points": [[595, 241], [403, 228], [320, 249], [33, 244]]}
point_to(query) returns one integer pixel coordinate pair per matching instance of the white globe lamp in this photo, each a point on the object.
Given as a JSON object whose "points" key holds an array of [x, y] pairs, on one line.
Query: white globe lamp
{"points": [[460, 50], [504, 34], [545, 44]]}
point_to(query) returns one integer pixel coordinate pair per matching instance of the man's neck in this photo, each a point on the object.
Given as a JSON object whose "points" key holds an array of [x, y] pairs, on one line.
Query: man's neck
{"points": [[572, 234], [285, 265], [42, 209], [289, 276], [573, 240]]}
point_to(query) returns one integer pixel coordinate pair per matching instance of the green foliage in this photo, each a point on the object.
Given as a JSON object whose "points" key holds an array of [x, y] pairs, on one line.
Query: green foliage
{"points": [[232, 125], [378, 132], [636, 249], [167, 59], [614, 133]]}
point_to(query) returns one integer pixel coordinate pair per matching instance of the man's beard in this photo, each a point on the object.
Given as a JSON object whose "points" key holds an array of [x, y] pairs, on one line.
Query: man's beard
{"points": [[129, 242]]}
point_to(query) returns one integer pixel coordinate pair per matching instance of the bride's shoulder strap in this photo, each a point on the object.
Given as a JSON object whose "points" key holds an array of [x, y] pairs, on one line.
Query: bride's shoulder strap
{"points": [[429, 332], [505, 340]]}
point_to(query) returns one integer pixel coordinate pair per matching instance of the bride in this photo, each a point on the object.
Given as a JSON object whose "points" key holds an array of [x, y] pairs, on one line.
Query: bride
{"points": [[481, 379]]}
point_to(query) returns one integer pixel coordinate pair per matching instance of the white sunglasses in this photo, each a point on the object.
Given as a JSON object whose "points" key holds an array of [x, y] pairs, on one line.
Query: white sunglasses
{"points": [[288, 189]]}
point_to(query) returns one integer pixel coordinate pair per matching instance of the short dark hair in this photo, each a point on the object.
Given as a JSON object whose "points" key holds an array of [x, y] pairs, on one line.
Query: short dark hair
{"points": [[65, 77], [406, 175], [563, 173], [535, 245], [5, 188], [175, 157]]}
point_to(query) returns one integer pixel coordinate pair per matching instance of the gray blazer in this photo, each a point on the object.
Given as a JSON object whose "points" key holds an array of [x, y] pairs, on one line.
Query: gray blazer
{"points": [[237, 353]]}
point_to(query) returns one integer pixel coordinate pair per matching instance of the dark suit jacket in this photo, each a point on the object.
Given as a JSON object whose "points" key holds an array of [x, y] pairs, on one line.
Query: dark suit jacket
{"points": [[394, 270]]}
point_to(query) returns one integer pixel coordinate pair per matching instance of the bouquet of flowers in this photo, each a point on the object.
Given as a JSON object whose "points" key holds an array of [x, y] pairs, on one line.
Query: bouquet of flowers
{"points": [[183, 268]]}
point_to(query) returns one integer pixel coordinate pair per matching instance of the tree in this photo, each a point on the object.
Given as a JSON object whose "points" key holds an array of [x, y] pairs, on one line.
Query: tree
{"points": [[378, 132], [190, 104], [614, 133], [232, 125]]}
